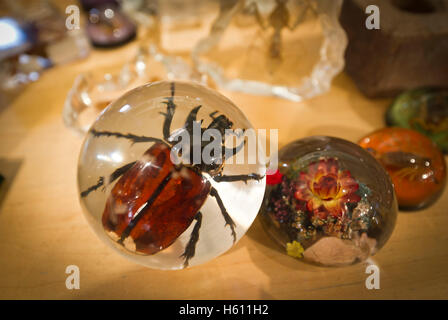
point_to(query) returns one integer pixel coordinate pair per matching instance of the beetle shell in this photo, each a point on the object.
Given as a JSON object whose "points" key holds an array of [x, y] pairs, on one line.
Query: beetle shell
{"points": [[147, 225]]}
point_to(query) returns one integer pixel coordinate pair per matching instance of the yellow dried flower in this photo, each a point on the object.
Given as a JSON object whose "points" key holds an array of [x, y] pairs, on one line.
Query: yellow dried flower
{"points": [[294, 249]]}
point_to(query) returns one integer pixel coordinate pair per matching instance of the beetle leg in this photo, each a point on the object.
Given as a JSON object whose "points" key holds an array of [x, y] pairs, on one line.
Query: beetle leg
{"points": [[238, 177], [134, 138], [216, 122], [230, 152], [190, 119], [212, 115], [86, 192], [194, 237], [227, 218], [170, 108], [114, 176], [120, 171]]}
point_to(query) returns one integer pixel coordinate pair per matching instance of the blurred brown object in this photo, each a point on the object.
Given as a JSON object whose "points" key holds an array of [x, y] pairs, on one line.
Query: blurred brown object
{"points": [[409, 50], [48, 21]]}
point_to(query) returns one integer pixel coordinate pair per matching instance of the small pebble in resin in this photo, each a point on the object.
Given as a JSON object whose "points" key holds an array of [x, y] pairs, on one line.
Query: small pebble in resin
{"points": [[415, 164], [424, 110], [330, 202]]}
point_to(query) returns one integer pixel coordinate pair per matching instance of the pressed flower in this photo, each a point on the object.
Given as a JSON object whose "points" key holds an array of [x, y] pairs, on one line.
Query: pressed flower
{"points": [[294, 249], [275, 178], [326, 189]]}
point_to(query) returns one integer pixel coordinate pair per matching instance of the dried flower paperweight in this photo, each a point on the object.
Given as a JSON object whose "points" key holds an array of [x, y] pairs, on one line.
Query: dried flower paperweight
{"points": [[154, 192], [330, 203], [424, 110], [415, 164], [287, 48]]}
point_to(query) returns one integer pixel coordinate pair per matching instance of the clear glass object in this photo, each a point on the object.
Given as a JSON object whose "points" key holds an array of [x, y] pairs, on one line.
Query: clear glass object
{"points": [[286, 48], [183, 23], [117, 202], [330, 203], [93, 91]]}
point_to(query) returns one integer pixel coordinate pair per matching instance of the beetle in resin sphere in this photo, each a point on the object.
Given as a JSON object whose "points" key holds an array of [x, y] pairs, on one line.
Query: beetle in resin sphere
{"points": [[154, 199], [415, 164], [330, 203]]}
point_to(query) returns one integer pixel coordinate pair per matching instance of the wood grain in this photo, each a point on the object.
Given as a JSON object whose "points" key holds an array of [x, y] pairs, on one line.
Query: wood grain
{"points": [[42, 229]]}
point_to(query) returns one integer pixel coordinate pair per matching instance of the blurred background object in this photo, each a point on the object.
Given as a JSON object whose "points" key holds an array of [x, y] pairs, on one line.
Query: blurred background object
{"points": [[290, 49], [107, 25], [93, 91], [424, 110], [14, 38], [286, 48], [33, 37], [409, 50], [161, 53]]}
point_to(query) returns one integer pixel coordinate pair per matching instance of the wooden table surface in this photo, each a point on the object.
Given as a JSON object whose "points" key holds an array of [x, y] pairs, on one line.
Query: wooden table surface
{"points": [[42, 229]]}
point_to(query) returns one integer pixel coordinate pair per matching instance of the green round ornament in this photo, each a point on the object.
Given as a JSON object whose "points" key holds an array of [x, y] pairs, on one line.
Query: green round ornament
{"points": [[424, 110]]}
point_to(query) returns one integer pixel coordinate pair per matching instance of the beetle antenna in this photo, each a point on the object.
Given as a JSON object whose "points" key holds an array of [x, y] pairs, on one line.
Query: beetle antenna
{"points": [[170, 108]]}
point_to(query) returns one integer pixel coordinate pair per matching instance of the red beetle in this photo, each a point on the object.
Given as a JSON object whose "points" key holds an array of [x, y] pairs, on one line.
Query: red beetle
{"points": [[150, 206]]}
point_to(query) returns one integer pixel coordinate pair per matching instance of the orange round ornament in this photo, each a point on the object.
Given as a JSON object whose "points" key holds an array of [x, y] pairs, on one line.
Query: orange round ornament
{"points": [[415, 164]]}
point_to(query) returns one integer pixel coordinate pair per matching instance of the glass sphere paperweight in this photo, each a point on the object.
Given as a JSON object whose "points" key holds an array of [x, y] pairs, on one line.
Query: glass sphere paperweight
{"points": [[415, 164], [154, 189], [424, 110], [330, 203]]}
